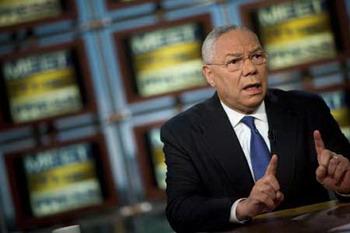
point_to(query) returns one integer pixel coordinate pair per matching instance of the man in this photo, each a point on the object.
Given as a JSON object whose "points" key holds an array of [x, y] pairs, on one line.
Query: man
{"points": [[212, 181]]}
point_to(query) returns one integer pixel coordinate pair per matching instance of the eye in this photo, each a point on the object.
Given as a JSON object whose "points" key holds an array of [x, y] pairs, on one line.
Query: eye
{"points": [[257, 56], [234, 61]]}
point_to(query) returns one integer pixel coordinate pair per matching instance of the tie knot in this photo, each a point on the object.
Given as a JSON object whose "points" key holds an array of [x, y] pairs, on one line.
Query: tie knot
{"points": [[249, 121]]}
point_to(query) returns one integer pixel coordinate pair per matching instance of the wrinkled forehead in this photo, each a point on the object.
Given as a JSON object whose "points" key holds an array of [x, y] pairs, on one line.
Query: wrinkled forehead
{"points": [[237, 41]]}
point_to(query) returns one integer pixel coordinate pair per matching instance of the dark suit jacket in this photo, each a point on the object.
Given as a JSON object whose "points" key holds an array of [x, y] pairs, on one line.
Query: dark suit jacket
{"points": [[207, 169]]}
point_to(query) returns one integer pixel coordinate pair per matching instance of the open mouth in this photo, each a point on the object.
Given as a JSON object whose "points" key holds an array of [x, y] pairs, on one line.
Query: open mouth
{"points": [[252, 86]]}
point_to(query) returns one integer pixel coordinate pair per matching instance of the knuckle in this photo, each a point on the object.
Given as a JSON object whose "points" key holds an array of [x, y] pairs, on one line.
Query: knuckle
{"points": [[265, 199], [334, 161], [268, 178], [326, 152]]}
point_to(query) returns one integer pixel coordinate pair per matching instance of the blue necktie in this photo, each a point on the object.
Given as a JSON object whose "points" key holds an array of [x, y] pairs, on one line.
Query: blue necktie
{"points": [[259, 152]]}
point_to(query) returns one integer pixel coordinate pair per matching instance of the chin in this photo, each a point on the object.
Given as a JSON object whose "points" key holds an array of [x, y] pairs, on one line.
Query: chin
{"points": [[255, 101], [253, 106]]}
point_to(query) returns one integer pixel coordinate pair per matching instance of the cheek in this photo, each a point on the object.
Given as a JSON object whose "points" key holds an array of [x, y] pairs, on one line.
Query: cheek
{"points": [[227, 83], [231, 86], [264, 74], [231, 82]]}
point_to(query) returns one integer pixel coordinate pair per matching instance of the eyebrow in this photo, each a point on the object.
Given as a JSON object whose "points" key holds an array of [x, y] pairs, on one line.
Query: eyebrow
{"points": [[258, 49]]}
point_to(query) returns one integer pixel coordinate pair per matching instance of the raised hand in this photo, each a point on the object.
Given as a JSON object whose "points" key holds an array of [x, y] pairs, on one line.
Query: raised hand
{"points": [[333, 170], [265, 195]]}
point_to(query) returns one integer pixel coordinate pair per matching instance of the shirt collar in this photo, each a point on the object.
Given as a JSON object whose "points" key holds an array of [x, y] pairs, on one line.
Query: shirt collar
{"points": [[235, 117]]}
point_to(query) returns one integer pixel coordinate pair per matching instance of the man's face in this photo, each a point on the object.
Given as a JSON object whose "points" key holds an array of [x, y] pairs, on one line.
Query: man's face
{"points": [[243, 89]]}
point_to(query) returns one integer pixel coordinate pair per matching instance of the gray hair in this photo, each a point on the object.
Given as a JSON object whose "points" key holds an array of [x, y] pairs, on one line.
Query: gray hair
{"points": [[209, 42]]}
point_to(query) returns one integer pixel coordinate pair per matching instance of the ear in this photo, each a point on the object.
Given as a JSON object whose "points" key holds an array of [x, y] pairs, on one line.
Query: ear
{"points": [[208, 74]]}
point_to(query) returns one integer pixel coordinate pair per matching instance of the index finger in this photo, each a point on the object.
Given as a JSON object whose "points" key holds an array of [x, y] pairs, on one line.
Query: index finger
{"points": [[272, 167], [319, 144]]}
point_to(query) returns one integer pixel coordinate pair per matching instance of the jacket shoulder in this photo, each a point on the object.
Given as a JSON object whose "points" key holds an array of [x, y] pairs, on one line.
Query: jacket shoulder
{"points": [[185, 119], [295, 98]]}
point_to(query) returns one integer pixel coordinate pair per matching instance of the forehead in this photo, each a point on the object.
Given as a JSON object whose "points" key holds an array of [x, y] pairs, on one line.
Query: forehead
{"points": [[237, 41]]}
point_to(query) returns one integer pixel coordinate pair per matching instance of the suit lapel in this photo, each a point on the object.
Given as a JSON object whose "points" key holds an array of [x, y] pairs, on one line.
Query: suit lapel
{"points": [[226, 149], [283, 130]]}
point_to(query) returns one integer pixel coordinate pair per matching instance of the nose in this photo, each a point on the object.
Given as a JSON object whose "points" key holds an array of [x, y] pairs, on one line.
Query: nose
{"points": [[248, 67]]}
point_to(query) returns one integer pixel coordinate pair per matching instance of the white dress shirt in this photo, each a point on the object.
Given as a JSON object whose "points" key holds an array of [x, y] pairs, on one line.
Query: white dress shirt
{"points": [[243, 134]]}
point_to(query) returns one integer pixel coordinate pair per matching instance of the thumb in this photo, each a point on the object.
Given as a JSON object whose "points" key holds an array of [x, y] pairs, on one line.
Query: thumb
{"points": [[272, 167], [319, 144]]}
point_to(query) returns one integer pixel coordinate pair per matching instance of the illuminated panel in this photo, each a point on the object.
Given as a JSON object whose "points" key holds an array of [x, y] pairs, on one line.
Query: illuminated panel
{"points": [[167, 60], [151, 160], [59, 183], [336, 101], [41, 86], [346, 131], [157, 157], [62, 179], [296, 32], [14, 12]]}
